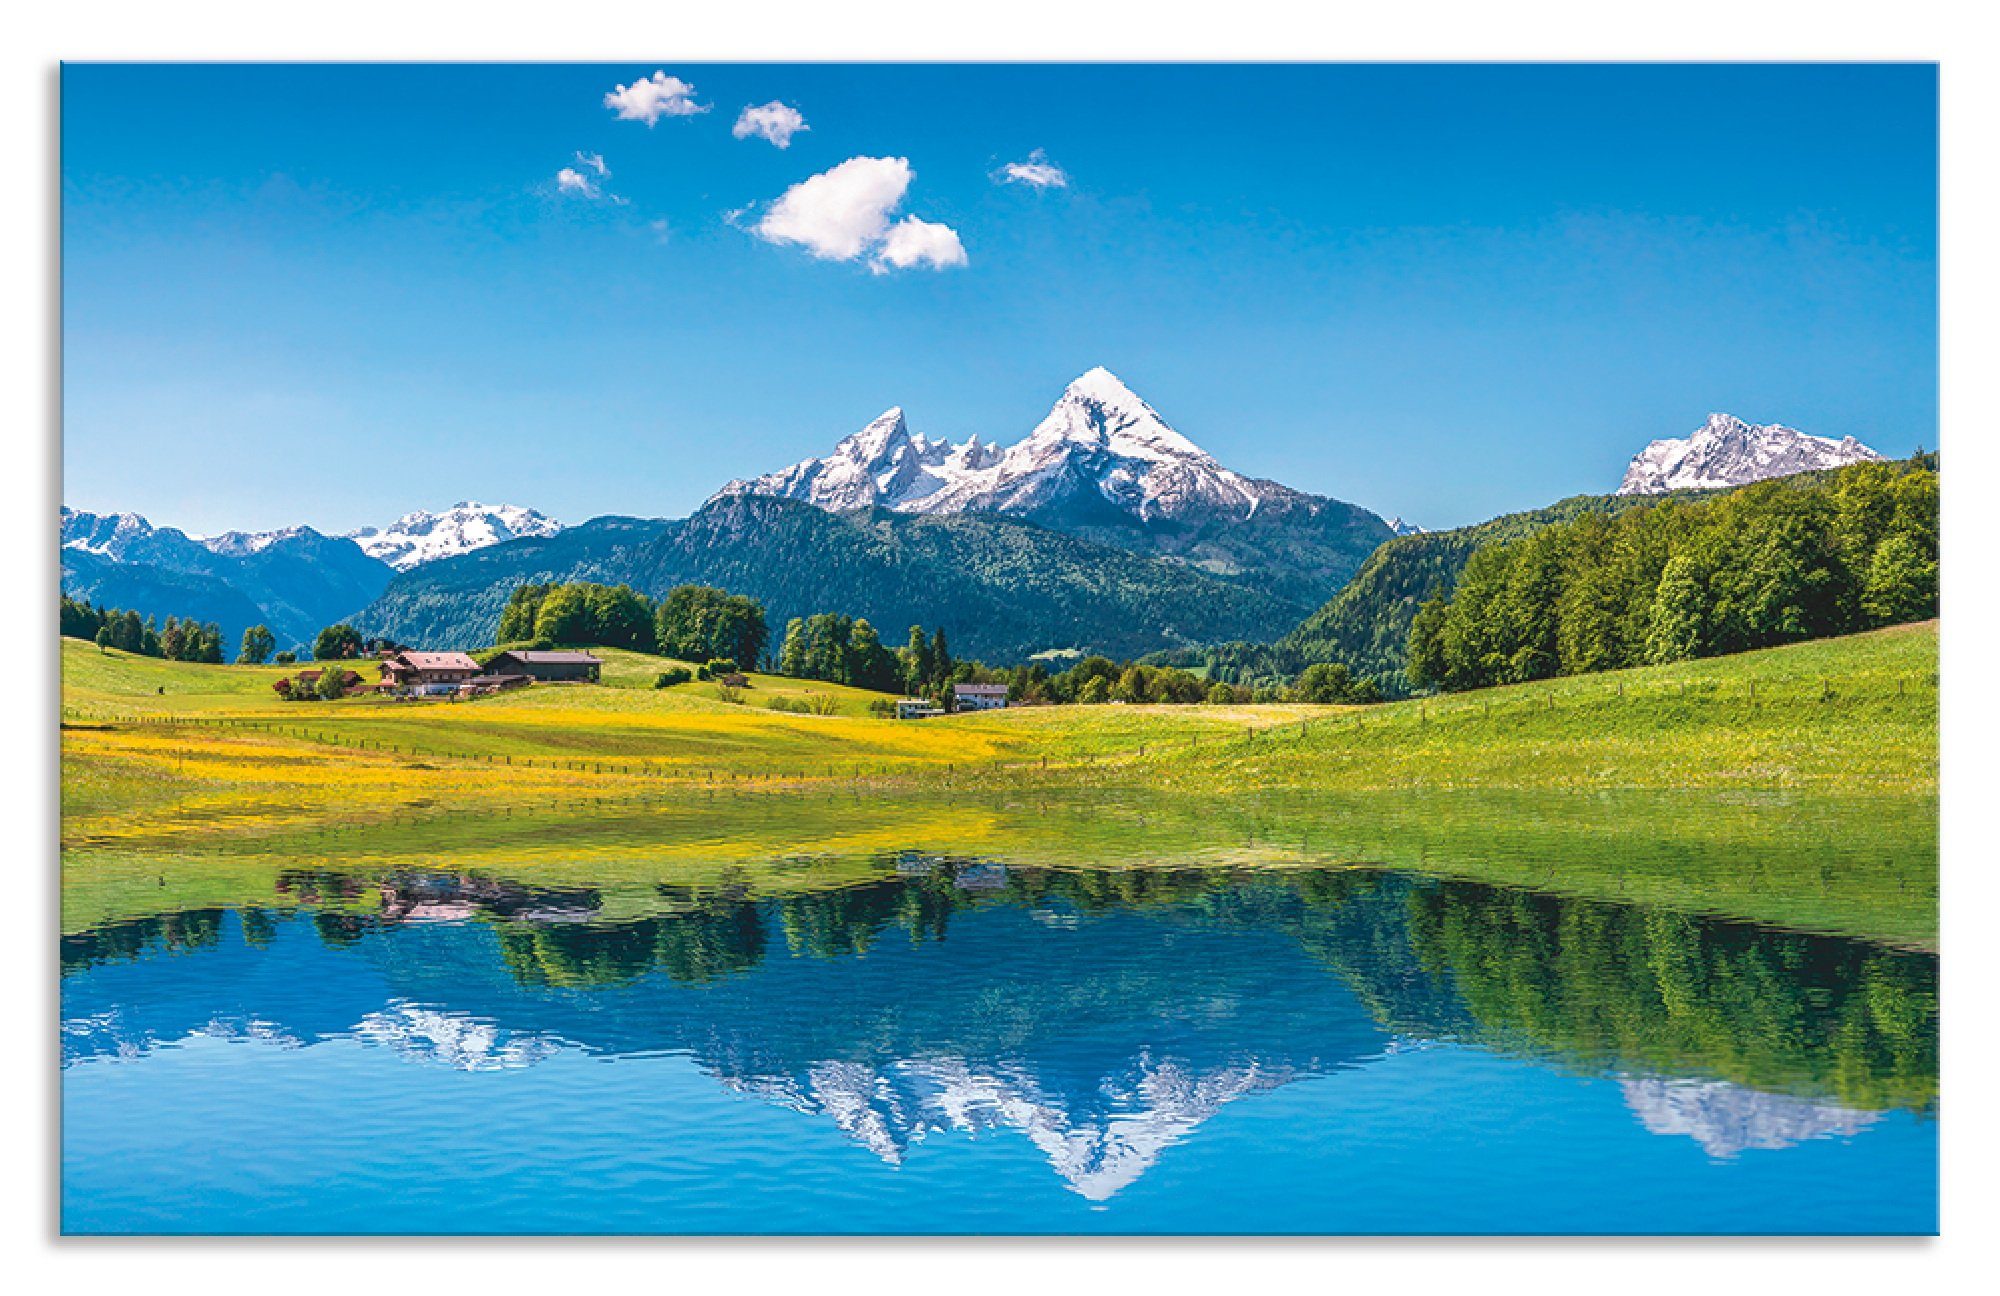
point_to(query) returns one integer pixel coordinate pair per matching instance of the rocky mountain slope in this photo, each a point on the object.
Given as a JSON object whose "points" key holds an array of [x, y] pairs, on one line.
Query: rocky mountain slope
{"points": [[1726, 451]]}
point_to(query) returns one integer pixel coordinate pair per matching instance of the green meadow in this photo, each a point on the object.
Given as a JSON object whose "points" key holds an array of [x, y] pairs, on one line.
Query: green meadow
{"points": [[1794, 787]]}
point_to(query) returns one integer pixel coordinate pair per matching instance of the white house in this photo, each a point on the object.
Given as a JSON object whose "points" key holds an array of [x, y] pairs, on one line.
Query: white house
{"points": [[979, 697], [916, 708]]}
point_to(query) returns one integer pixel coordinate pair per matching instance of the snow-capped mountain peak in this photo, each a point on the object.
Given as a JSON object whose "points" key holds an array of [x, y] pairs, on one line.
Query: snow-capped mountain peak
{"points": [[888, 428], [1099, 412], [239, 544], [1726, 451], [107, 535], [421, 537], [1100, 445]]}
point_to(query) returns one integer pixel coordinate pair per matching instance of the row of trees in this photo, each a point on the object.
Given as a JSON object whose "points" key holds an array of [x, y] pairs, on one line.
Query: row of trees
{"points": [[1776, 562], [846, 650], [1099, 679], [177, 640], [694, 622], [127, 631]]}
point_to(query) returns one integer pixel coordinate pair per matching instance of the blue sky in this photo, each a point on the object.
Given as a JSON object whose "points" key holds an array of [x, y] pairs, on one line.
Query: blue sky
{"points": [[334, 294]]}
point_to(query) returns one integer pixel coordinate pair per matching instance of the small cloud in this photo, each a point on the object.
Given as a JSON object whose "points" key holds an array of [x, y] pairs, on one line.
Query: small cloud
{"points": [[651, 98], [912, 242], [586, 180], [774, 121], [569, 180], [1037, 173], [662, 232]]}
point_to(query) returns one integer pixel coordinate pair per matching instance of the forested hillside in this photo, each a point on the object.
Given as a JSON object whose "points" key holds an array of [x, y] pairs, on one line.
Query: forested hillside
{"points": [[1771, 563], [1000, 588], [1367, 624]]}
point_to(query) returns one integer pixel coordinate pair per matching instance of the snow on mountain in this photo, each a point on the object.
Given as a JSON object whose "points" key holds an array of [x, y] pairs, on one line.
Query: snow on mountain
{"points": [[1403, 528], [1097, 1146], [119, 536], [884, 463], [1726, 1119], [238, 544], [421, 537], [1100, 444], [1726, 451]]}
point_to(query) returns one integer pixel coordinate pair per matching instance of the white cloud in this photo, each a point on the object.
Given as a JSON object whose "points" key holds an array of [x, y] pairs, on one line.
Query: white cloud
{"points": [[912, 242], [651, 98], [595, 161], [774, 121], [569, 180], [837, 214], [1037, 172], [843, 214]]}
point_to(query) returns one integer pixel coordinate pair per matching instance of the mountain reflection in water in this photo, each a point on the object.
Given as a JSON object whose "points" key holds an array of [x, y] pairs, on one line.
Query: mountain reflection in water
{"points": [[1102, 1015]]}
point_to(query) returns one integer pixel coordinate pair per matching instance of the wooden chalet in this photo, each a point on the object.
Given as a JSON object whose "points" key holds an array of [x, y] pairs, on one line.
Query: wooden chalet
{"points": [[428, 670], [555, 667]]}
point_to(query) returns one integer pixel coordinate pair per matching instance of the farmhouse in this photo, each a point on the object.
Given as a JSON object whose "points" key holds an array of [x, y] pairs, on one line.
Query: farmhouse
{"points": [[979, 697], [552, 666], [916, 708], [421, 670]]}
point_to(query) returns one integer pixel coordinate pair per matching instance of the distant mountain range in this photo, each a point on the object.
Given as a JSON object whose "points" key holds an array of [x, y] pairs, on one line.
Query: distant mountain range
{"points": [[295, 580], [1726, 451], [1102, 529]]}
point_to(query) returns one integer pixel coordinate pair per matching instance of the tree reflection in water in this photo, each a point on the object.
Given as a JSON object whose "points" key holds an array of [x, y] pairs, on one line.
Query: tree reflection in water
{"points": [[1103, 1012]]}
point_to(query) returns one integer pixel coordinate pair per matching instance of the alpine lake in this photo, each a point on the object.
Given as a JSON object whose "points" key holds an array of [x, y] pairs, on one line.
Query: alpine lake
{"points": [[1025, 1012]]}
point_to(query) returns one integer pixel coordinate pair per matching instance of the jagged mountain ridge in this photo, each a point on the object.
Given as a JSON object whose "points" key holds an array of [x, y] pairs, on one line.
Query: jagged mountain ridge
{"points": [[422, 536], [1103, 465], [1726, 451]]}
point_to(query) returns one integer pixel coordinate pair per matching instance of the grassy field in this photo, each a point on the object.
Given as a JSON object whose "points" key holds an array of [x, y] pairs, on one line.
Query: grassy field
{"points": [[1857, 714], [1795, 786]]}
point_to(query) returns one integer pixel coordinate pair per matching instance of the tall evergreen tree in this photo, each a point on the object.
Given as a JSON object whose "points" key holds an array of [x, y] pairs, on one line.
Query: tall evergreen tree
{"points": [[917, 661], [792, 657]]}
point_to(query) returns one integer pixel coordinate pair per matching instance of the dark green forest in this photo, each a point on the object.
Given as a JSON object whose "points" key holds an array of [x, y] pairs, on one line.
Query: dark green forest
{"points": [[1771, 563], [1366, 626]]}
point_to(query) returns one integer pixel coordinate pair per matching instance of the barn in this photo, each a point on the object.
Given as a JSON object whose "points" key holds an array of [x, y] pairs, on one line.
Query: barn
{"points": [[552, 667]]}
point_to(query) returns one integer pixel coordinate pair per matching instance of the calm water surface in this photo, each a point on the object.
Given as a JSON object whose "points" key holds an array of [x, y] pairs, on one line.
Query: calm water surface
{"points": [[930, 1042]]}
